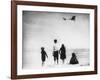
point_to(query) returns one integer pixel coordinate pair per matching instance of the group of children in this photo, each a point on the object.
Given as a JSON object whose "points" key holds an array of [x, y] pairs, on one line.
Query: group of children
{"points": [[58, 52]]}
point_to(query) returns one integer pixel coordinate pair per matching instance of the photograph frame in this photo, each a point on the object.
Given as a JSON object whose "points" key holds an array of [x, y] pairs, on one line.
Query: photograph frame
{"points": [[14, 25]]}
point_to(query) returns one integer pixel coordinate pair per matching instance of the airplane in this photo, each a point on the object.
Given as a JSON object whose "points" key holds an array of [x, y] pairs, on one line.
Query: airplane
{"points": [[73, 18]]}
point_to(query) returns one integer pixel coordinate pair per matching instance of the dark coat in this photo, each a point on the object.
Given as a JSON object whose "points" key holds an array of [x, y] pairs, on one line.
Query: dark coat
{"points": [[74, 59], [43, 55], [62, 53]]}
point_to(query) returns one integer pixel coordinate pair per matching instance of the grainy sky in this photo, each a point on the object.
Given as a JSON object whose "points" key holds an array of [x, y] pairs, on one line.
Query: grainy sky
{"points": [[41, 28]]}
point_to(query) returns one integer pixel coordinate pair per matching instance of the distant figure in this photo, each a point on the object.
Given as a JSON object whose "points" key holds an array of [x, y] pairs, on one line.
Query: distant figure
{"points": [[74, 59], [43, 55], [55, 51], [62, 52]]}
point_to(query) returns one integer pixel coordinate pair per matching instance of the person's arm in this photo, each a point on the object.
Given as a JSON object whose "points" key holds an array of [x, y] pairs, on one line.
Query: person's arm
{"points": [[46, 55], [59, 51]]}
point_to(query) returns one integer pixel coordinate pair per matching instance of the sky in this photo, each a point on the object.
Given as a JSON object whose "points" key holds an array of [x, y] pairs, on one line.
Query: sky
{"points": [[41, 28]]}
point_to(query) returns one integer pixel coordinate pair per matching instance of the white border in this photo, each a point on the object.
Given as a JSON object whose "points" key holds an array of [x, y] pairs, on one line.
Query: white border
{"points": [[21, 71]]}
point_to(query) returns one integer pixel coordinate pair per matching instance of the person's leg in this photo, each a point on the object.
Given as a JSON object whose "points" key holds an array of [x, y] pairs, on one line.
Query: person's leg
{"points": [[42, 63], [63, 61], [57, 57], [54, 59], [57, 60]]}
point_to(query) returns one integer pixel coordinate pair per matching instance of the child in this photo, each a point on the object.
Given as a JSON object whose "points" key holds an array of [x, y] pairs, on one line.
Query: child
{"points": [[43, 55], [74, 59], [62, 52], [55, 51]]}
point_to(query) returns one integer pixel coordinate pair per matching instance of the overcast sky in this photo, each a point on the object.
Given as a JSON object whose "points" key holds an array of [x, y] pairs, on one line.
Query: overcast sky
{"points": [[41, 28]]}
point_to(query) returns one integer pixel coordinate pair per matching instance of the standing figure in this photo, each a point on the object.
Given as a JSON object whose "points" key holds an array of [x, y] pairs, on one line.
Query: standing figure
{"points": [[55, 51], [74, 59], [43, 55], [62, 52]]}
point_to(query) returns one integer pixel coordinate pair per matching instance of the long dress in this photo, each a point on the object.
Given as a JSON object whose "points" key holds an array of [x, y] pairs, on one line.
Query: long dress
{"points": [[62, 53]]}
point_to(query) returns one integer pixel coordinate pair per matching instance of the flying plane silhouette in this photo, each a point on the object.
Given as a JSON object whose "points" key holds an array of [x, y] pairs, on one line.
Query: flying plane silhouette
{"points": [[73, 18]]}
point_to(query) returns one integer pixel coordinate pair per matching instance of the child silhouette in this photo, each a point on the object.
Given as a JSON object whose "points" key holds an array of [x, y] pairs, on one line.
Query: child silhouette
{"points": [[73, 59], [43, 55], [62, 52]]}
